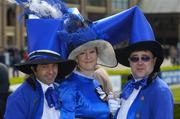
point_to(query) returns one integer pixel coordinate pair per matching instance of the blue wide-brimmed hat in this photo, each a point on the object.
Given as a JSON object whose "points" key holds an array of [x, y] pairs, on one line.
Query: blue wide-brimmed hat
{"points": [[78, 36], [116, 28], [140, 37], [43, 46]]}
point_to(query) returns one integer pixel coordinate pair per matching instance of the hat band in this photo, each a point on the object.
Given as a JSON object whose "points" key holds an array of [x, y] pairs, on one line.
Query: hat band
{"points": [[43, 55]]}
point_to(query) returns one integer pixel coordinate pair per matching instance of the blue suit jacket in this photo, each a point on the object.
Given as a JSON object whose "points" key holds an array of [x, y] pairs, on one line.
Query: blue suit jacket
{"points": [[155, 101], [26, 102]]}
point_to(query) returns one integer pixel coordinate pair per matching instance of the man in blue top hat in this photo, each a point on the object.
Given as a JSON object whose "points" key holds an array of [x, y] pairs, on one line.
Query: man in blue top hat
{"points": [[145, 95], [36, 97]]}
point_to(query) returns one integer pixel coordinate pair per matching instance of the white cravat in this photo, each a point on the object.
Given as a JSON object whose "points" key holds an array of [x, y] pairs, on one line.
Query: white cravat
{"points": [[48, 113], [126, 104]]}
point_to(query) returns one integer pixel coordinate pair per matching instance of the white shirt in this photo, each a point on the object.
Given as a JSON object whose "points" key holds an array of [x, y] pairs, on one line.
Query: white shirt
{"points": [[126, 104], [48, 113]]}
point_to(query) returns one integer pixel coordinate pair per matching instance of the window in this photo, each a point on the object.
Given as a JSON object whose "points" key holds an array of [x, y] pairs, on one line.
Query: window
{"points": [[11, 19], [96, 2], [95, 16], [72, 1], [120, 4], [10, 41]]}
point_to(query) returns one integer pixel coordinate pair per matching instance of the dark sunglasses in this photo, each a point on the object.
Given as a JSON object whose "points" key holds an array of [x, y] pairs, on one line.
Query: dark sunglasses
{"points": [[143, 58]]}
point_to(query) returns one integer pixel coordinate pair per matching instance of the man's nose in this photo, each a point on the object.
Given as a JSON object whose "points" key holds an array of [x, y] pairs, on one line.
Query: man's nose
{"points": [[140, 61], [51, 69]]}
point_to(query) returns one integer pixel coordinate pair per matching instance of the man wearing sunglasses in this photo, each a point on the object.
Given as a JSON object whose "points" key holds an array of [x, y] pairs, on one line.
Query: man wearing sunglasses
{"points": [[141, 63], [145, 95]]}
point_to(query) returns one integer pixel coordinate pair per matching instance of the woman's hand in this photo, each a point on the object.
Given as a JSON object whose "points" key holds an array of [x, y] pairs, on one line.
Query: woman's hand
{"points": [[114, 103]]}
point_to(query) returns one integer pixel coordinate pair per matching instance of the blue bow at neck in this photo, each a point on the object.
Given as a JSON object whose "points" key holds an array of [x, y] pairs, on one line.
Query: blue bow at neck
{"points": [[128, 89], [52, 97]]}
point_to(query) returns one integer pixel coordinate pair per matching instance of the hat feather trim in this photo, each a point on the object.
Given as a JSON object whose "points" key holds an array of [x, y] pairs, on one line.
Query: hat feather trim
{"points": [[42, 8]]}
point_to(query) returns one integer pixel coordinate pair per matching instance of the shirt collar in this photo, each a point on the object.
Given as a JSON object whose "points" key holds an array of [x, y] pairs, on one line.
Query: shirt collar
{"points": [[44, 86], [79, 73]]}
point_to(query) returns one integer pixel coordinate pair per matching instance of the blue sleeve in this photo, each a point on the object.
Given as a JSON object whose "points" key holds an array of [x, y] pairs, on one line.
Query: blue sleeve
{"points": [[164, 105], [68, 98], [15, 108]]}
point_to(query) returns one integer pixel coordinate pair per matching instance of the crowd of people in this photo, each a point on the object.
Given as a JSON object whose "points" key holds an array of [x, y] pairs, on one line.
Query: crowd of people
{"points": [[12, 56], [65, 80]]}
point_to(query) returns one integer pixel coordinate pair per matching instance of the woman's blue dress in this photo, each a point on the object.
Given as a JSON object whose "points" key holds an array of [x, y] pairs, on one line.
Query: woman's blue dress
{"points": [[80, 100]]}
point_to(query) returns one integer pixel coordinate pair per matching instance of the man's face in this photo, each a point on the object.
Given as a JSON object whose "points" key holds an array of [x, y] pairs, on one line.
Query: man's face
{"points": [[46, 73], [141, 63]]}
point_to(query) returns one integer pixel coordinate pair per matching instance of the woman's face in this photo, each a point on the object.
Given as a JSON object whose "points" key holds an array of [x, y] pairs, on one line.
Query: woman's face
{"points": [[87, 59]]}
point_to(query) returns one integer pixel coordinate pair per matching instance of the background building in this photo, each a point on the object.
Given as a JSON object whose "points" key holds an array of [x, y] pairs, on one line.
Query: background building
{"points": [[164, 16], [13, 35]]}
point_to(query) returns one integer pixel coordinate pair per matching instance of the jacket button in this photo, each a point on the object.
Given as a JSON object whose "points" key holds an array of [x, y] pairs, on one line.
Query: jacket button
{"points": [[142, 98], [137, 115]]}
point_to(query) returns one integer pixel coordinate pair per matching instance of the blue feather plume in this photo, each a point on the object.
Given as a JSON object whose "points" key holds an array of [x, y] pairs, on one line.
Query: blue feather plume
{"points": [[76, 32]]}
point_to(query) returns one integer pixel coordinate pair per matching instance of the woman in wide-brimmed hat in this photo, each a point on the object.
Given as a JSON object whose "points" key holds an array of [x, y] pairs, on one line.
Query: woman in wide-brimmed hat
{"points": [[145, 95], [82, 44]]}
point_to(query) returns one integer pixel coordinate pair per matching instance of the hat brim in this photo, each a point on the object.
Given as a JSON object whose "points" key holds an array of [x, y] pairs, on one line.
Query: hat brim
{"points": [[122, 54], [106, 54], [65, 66]]}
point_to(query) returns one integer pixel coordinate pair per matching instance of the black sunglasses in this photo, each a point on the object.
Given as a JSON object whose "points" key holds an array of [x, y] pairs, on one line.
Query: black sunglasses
{"points": [[143, 58]]}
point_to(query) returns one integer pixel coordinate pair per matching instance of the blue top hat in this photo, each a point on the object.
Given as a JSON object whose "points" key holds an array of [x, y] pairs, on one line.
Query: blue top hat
{"points": [[140, 36], [43, 46], [118, 27]]}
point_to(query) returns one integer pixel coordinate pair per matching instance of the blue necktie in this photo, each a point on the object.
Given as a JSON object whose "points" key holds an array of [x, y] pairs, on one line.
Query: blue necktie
{"points": [[131, 86], [52, 97]]}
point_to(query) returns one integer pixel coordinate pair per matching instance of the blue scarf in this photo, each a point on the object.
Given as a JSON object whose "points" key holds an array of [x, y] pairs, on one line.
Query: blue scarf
{"points": [[52, 97]]}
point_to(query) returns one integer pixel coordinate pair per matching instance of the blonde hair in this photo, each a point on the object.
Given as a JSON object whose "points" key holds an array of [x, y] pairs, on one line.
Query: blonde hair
{"points": [[103, 78]]}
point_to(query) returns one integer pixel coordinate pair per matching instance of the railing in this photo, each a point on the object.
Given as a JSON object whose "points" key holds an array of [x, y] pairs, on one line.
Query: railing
{"points": [[176, 110], [170, 74]]}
